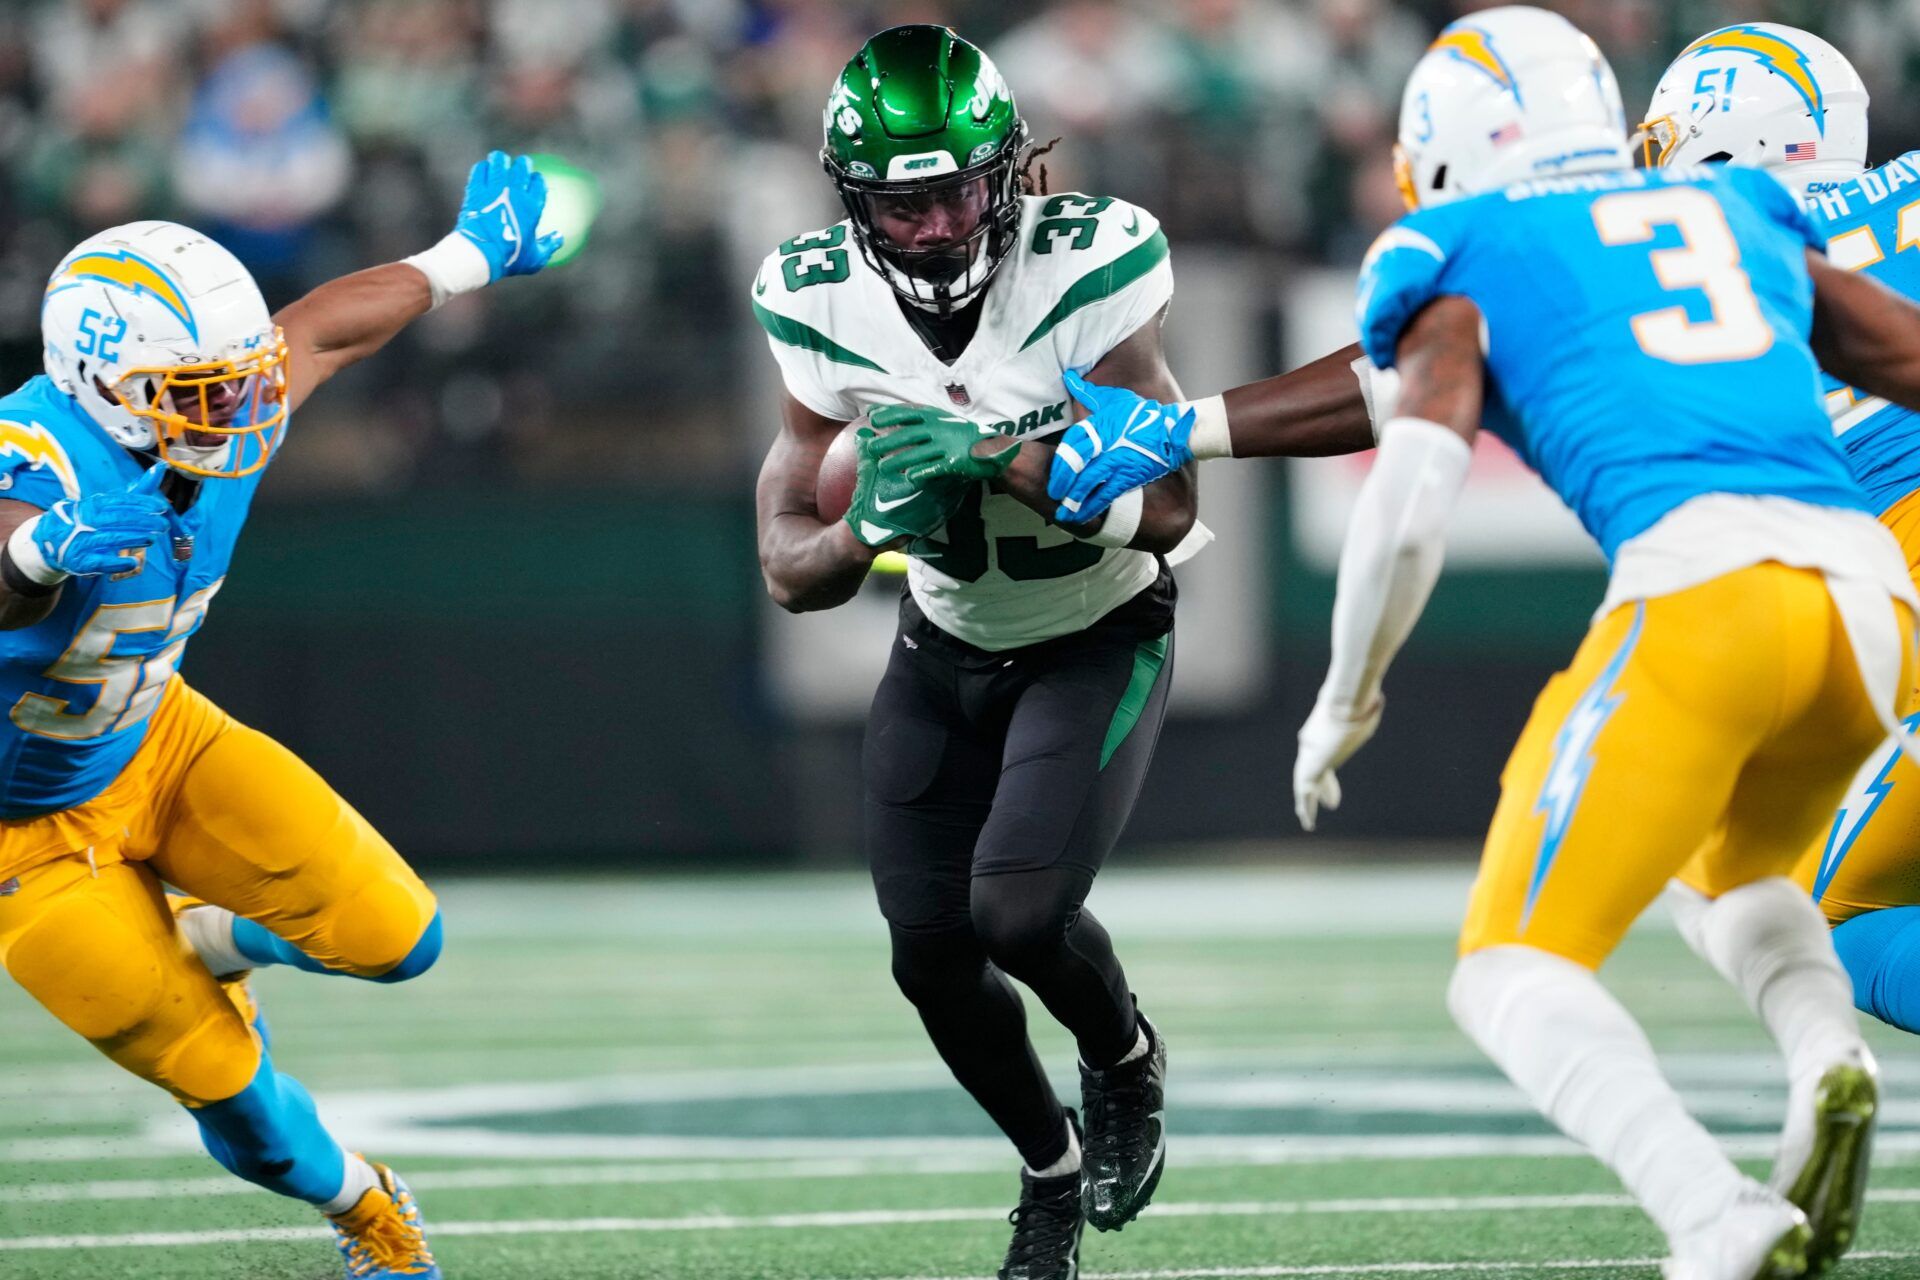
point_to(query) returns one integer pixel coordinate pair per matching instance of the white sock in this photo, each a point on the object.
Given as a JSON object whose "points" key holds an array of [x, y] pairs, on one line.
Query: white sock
{"points": [[1066, 1164], [1771, 942], [1139, 1049], [209, 930], [360, 1179], [1584, 1062]]}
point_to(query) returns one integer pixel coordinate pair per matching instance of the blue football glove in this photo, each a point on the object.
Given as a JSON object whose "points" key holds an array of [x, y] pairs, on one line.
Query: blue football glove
{"points": [[501, 212], [1129, 441], [102, 532]]}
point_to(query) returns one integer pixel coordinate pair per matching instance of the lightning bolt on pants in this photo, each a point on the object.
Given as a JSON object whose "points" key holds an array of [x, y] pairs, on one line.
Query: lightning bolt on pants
{"points": [[1713, 729]]}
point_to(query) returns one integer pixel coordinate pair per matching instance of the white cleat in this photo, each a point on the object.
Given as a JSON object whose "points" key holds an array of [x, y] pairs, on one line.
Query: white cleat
{"points": [[1825, 1150], [1761, 1238]]}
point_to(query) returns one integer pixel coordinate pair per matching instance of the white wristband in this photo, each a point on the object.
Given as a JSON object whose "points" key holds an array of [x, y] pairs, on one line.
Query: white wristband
{"points": [[1209, 437], [452, 267], [27, 558], [1380, 390], [1122, 522]]}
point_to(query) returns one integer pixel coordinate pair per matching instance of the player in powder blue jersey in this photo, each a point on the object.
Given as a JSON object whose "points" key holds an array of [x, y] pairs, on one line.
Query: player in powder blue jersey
{"points": [[1647, 341], [126, 473], [1786, 100]]}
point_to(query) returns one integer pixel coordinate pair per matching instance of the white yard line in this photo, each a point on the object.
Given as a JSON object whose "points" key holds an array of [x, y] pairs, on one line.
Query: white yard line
{"points": [[877, 1218], [1381, 1269], [534, 1177]]}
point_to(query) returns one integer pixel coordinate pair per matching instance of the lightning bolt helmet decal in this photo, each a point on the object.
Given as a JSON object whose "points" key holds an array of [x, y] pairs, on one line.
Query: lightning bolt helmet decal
{"points": [[1774, 52]]}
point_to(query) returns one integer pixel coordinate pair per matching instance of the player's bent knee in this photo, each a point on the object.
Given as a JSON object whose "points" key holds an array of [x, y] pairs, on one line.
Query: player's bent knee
{"points": [[929, 967], [384, 930], [1881, 953], [1488, 984], [213, 1062], [420, 958], [1022, 919]]}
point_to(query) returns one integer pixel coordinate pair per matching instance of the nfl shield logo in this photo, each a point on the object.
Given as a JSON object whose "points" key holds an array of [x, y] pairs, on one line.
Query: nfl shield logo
{"points": [[9, 887], [957, 392]]}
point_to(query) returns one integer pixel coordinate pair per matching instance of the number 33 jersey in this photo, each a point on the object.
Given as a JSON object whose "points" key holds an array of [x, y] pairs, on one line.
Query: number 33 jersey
{"points": [[1087, 272], [1645, 332], [79, 686]]}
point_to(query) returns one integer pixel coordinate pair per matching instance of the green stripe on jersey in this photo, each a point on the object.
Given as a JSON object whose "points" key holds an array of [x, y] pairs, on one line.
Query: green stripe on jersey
{"points": [[1103, 282], [807, 338], [1148, 657]]}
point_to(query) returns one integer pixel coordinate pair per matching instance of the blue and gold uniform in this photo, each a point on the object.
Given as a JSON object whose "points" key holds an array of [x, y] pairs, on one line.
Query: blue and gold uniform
{"points": [[1646, 341], [1865, 871], [116, 776]]}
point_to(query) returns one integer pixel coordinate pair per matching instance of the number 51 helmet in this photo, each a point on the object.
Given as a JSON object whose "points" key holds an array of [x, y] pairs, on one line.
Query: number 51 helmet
{"points": [[163, 338], [1761, 94], [1502, 96], [917, 118]]}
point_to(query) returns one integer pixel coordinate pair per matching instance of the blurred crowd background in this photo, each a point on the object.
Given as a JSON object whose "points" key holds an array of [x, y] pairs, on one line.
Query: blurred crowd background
{"points": [[314, 136], [502, 588]]}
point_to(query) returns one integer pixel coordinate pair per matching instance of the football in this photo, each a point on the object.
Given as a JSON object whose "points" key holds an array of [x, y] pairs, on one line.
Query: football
{"points": [[839, 467], [833, 489]]}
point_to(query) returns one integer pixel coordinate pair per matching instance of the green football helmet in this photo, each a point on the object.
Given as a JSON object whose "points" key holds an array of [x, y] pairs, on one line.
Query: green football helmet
{"points": [[921, 118]]}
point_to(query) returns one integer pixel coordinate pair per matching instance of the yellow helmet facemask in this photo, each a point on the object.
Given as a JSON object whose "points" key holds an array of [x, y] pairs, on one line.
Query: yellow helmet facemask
{"points": [[1658, 138], [1403, 177], [221, 418]]}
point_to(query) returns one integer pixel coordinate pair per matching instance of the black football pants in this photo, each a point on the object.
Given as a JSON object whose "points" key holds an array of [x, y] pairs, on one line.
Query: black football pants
{"points": [[996, 785]]}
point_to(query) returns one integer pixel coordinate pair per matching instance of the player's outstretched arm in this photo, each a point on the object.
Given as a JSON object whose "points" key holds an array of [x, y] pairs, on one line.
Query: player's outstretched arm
{"points": [[1864, 333], [1396, 541], [807, 563], [349, 319], [1147, 513], [1326, 407], [1322, 409]]}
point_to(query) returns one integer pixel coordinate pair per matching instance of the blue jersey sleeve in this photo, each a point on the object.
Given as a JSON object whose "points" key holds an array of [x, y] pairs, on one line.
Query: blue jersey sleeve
{"points": [[1779, 204], [1401, 275], [34, 466]]}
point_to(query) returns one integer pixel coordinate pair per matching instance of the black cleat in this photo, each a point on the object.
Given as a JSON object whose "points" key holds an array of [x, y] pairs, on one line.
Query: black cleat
{"points": [[1126, 1145], [1046, 1229]]}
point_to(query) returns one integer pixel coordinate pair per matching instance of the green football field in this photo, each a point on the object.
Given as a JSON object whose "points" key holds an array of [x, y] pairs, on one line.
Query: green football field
{"points": [[701, 1079]]}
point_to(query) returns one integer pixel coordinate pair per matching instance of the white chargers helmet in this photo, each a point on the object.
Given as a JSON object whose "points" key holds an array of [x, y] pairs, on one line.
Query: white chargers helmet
{"points": [[1761, 94], [162, 337], [1502, 96]]}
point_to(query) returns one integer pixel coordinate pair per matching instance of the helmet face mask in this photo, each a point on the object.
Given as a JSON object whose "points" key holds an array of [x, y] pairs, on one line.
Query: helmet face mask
{"points": [[922, 136], [162, 338], [218, 418], [979, 209]]}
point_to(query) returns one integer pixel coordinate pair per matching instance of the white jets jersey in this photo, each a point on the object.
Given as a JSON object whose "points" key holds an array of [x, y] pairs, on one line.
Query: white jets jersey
{"points": [[1087, 272]]}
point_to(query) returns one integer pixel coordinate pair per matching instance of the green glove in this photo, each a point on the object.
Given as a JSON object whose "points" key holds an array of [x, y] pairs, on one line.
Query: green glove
{"points": [[887, 504], [932, 442]]}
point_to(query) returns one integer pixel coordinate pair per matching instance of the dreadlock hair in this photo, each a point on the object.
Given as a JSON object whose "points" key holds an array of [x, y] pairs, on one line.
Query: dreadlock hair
{"points": [[1033, 184]]}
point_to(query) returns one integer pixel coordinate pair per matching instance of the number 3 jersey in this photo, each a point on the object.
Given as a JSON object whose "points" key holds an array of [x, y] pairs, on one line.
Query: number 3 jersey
{"points": [[1087, 272], [1645, 332], [80, 685]]}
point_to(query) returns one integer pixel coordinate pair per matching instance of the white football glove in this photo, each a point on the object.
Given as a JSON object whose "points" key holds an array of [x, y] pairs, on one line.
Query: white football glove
{"points": [[1328, 740]]}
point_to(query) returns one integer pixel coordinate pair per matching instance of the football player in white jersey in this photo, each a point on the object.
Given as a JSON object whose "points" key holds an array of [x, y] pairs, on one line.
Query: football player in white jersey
{"points": [[1012, 731]]}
